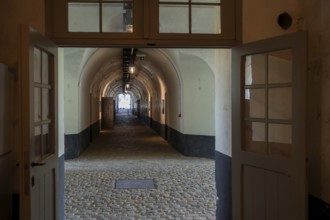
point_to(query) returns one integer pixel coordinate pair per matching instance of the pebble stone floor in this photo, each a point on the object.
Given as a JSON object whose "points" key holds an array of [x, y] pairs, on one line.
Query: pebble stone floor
{"points": [[184, 186]]}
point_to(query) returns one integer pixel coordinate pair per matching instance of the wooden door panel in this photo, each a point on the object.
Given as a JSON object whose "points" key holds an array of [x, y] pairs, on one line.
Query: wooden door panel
{"points": [[107, 121], [49, 181], [264, 194], [272, 204], [43, 199]]}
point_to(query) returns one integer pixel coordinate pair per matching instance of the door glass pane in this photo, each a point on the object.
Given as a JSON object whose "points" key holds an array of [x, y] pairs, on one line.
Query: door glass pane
{"points": [[173, 0], [45, 140], [280, 103], [280, 66], [37, 143], [37, 104], [255, 69], [84, 17], [255, 137], [280, 139], [85, 0], [206, 1], [255, 100], [37, 65], [173, 18], [45, 68], [117, 17], [45, 104], [206, 19]]}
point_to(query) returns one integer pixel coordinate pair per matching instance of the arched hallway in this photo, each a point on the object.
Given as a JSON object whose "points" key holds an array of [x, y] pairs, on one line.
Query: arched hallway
{"points": [[174, 89], [184, 186]]}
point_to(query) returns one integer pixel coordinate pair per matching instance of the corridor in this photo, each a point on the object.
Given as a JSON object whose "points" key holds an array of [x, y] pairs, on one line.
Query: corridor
{"points": [[174, 187]]}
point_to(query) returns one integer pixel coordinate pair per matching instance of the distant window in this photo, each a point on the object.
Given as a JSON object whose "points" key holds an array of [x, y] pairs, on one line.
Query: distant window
{"points": [[100, 16], [124, 101]]}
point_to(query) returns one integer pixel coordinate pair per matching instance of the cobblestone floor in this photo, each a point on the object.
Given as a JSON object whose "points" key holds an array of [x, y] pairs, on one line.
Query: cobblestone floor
{"points": [[184, 186]]}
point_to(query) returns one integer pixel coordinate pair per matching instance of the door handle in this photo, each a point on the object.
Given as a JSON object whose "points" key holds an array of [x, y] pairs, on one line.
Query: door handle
{"points": [[33, 164]]}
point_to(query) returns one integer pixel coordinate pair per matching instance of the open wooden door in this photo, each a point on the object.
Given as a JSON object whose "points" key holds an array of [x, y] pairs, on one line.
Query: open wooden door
{"points": [[107, 119], [269, 135], [39, 141]]}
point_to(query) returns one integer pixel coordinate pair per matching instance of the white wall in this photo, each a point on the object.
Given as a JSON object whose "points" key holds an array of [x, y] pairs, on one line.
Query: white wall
{"points": [[169, 73], [163, 90], [198, 93], [196, 89], [72, 65], [84, 106], [222, 69], [77, 103], [61, 125]]}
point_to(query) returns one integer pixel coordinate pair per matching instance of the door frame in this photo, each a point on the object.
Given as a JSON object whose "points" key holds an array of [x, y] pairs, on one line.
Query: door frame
{"points": [[29, 38]]}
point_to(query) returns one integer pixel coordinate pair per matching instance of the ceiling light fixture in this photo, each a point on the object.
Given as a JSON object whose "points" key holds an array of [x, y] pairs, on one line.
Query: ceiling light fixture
{"points": [[131, 69]]}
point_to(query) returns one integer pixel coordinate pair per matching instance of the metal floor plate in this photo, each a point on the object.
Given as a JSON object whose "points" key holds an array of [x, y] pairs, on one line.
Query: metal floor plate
{"points": [[135, 184]]}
